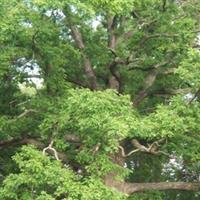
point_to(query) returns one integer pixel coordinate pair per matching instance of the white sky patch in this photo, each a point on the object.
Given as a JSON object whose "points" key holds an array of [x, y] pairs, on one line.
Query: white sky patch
{"points": [[27, 24], [174, 164], [188, 96], [198, 39], [95, 24], [57, 13], [33, 71]]}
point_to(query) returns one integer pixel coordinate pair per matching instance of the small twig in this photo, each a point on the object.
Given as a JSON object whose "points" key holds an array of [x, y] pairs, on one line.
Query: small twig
{"points": [[96, 148], [52, 149], [26, 112]]}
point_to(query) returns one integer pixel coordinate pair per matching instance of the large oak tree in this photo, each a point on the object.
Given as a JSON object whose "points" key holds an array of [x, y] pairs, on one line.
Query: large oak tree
{"points": [[99, 99]]}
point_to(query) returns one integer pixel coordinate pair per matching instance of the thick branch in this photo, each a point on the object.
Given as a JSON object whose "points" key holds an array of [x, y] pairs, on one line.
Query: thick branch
{"points": [[86, 61], [112, 20], [115, 78], [127, 188], [148, 82], [130, 188]]}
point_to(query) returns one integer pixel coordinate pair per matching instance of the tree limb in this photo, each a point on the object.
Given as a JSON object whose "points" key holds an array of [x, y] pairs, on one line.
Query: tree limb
{"points": [[130, 188], [152, 148], [25, 113], [115, 78], [76, 34], [148, 82], [49, 147], [130, 153]]}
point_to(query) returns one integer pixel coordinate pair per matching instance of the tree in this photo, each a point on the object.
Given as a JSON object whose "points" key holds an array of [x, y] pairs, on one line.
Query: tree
{"points": [[117, 115]]}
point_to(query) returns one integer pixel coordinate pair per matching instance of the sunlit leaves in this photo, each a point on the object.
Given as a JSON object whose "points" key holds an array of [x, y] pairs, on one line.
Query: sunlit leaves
{"points": [[40, 178], [102, 117], [189, 68]]}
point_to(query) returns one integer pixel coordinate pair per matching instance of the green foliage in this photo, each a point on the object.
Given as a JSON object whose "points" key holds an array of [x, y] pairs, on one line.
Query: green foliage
{"points": [[95, 116], [41, 178], [189, 69], [148, 196]]}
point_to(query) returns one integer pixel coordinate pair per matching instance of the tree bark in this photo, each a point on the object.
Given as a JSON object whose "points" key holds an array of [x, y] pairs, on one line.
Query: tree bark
{"points": [[114, 79], [86, 61]]}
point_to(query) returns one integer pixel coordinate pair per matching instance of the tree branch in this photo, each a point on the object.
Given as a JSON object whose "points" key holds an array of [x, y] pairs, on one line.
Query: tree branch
{"points": [[49, 147], [76, 34], [115, 78], [25, 113], [148, 82], [128, 154], [152, 148], [130, 188]]}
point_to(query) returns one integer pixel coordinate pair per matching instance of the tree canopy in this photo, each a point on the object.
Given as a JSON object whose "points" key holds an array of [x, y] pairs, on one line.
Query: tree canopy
{"points": [[99, 100]]}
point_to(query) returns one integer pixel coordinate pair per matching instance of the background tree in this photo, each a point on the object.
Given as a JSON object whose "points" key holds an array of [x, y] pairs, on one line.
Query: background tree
{"points": [[117, 113]]}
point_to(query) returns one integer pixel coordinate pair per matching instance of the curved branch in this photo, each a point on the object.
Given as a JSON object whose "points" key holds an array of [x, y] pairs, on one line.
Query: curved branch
{"points": [[128, 154], [52, 149], [25, 113]]}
